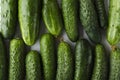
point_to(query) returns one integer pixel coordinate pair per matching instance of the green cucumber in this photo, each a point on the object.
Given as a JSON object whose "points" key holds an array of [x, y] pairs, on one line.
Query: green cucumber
{"points": [[47, 49], [52, 17], [8, 17], [100, 71], [29, 19], [113, 34], [115, 65], [17, 60], [3, 66], [70, 14], [89, 20], [102, 16], [33, 66], [83, 60], [65, 63]]}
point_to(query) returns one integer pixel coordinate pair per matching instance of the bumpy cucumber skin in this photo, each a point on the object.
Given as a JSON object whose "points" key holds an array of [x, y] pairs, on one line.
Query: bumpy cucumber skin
{"points": [[17, 60], [29, 18], [100, 71], [52, 17], [113, 34], [65, 65], [102, 16], [70, 13], [3, 57], [89, 20], [8, 15], [33, 66], [115, 65], [47, 49], [83, 60]]}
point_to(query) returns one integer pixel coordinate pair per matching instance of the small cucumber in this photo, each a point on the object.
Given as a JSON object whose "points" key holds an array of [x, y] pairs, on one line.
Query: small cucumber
{"points": [[65, 63], [115, 65], [17, 60], [3, 62], [52, 17], [100, 71], [113, 34], [47, 49], [83, 60], [8, 17], [70, 15], [89, 20], [33, 66], [29, 19]]}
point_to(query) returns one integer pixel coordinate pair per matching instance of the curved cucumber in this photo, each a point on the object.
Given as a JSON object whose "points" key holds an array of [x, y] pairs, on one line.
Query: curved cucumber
{"points": [[33, 66], [8, 17], [47, 49], [89, 20], [3, 57], [52, 17], [100, 71], [115, 65], [113, 34], [65, 65], [83, 60], [29, 18], [17, 60], [70, 15]]}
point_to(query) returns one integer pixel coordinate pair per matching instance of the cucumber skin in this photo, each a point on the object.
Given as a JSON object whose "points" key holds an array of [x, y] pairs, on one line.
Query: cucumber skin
{"points": [[33, 66], [9, 18], [47, 51], [65, 63], [83, 60], [17, 60], [52, 17], [3, 64], [100, 71], [29, 20], [102, 15], [115, 65], [89, 20], [113, 33], [70, 13]]}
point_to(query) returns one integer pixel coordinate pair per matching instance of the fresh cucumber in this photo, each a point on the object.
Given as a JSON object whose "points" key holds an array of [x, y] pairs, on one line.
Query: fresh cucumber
{"points": [[52, 17], [17, 60], [100, 71], [33, 66], [29, 19], [47, 51], [65, 65], [70, 16], [83, 60], [8, 17]]}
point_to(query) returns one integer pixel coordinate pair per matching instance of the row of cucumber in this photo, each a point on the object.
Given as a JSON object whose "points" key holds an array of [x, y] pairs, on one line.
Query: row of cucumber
{"points": [[29, 15], [52, 64]]}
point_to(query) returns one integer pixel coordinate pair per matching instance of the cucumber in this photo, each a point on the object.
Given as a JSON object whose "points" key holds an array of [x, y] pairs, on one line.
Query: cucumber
{"points": [[17, 60], [33, 66], [8, 17], [29, 19], [83, 60], [113, 34], [100, 71], [3, 63], [52, 17], [65, 63], [115, 65], [102, 16], [89, 20], [70, 14], [47, 49]]}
